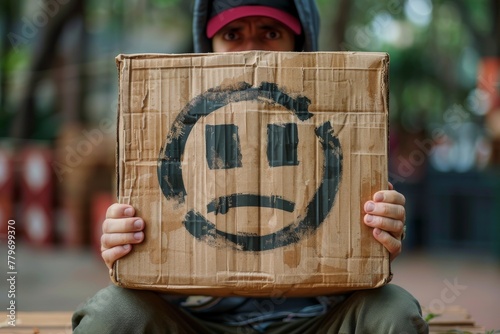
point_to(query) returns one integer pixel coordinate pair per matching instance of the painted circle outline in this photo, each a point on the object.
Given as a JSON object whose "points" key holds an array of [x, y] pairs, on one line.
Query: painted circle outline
{"points": [[170, 172]]}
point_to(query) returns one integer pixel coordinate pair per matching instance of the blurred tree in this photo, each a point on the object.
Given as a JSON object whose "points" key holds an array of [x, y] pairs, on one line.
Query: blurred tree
{"points": [[485, 33], [9, 11], [44, 57]]}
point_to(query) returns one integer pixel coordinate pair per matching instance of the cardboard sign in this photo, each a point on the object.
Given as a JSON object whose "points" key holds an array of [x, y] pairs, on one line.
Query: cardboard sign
{"points": [[251, 170]]}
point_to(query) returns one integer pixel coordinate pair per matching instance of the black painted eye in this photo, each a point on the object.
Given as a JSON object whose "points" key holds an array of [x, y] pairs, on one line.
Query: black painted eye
{"points": [[223, 146], [282, 144]]}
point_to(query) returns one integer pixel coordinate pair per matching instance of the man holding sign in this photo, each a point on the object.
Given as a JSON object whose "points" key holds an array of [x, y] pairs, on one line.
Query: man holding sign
{"points": [[242, 25]]}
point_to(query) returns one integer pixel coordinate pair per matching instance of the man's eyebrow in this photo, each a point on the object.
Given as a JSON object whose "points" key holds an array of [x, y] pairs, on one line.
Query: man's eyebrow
{"points": [[270, 26], [232, 28]]}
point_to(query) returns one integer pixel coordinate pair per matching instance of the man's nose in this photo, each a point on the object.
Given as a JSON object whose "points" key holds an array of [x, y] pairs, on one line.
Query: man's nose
{"points": [[252, 44]]}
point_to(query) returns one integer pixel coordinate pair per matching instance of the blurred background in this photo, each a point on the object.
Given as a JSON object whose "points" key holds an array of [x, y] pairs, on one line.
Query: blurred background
{"points": [[58, 103]]}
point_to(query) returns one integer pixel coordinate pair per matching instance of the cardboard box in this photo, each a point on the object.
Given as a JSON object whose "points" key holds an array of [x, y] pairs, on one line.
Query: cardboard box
{"points": [[251, 171]]}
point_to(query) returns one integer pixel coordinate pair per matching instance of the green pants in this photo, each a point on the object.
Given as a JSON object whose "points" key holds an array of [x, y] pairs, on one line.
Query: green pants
{"points": [[389, 309]]}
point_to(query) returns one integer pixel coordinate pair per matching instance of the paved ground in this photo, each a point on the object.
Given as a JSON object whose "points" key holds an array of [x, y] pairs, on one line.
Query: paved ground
{"points": [[470, 280], [61, 279]]}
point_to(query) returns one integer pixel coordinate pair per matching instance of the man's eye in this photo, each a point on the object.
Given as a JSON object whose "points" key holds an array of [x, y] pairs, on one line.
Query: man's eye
{"points": [[230, 36], [273, 34]]}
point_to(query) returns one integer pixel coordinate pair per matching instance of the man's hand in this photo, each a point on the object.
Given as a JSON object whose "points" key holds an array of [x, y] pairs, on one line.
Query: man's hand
{"points": [[386, 214], [120, 231]]}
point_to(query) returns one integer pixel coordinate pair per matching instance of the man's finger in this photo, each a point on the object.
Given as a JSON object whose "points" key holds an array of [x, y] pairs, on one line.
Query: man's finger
{"points": [[118, 210], [122, 225], [392, 244], [111, 240], [112, 254]]}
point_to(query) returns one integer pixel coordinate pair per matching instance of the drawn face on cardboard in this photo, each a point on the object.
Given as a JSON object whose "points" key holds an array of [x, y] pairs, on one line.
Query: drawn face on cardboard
{"points": [[250, 178]]}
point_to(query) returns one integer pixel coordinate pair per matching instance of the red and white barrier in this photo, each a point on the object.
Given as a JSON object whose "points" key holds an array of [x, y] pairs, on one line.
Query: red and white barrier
{"points": [[37, 195], [6, 190]]}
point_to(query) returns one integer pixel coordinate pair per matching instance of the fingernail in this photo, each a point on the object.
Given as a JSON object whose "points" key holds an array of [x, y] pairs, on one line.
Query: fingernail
{"points": [[126, 247], [368, 218], [379, 197], [129, 212], [138, 224], [138, 235], [369, 207], [378, 231]]}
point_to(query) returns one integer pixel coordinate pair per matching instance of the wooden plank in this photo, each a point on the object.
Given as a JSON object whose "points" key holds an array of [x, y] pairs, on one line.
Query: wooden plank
{"points": [[36, 330], [454, 319], [455, 315], [37, 323], [456, 330]]}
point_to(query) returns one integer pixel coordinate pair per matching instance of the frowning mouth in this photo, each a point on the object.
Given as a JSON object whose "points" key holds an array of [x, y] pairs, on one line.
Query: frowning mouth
{"points": [[223, 204]]}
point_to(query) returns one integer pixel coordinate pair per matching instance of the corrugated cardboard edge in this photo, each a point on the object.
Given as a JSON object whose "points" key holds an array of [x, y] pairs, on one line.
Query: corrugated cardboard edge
{"points": [[228, 291], [386, 83], [123, 60]]}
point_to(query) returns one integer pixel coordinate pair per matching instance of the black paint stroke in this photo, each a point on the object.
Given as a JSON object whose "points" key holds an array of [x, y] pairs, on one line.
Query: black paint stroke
{"points": [[223, 148], [223, 204]]}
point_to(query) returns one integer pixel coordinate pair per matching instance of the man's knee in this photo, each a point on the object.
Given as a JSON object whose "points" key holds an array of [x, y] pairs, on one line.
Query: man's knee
{"points": [[392, 308], [380, 297], [111, 307]]}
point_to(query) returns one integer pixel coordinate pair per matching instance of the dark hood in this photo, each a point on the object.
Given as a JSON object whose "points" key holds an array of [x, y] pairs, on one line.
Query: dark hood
{"points": [[308, 13]]}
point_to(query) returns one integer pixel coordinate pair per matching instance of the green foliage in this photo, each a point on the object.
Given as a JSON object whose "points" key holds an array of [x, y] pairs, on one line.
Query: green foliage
{"points": [[434, 57], [165, 3], [15, 60], [430, 316]]}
